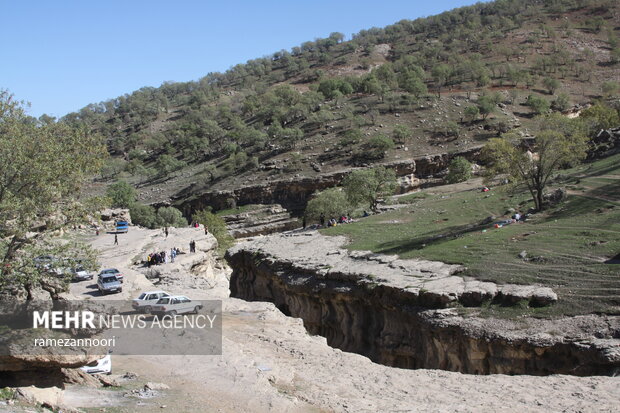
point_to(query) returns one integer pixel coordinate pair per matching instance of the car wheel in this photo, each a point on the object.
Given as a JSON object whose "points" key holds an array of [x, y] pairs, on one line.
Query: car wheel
{"points": [[196, 309], [173, 313], [120, 290], [147, 309]]}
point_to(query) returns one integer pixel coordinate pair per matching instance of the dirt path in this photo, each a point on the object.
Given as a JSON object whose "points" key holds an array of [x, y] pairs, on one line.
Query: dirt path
{"points": [[270, 364]]}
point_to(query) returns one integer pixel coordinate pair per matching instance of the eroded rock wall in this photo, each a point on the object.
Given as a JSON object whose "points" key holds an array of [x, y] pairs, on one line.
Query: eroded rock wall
{"points": [[294, 193], [390, 326]]}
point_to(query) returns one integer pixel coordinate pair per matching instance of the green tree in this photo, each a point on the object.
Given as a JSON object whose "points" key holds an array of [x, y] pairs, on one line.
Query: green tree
{"points": [[42, 170], [551, 84], [170, 217], [486, 106], [538, 104], [367, 186], [471, 112], [600, 116], [441, 74], [561, 102], [459, 170], [552, 150], [217, 227], [122, 194], [413, 84], [166, 164], [330, 203]]}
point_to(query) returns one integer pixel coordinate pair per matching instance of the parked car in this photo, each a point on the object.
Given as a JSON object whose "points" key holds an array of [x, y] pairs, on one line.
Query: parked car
{"points": [[50, 264], [112, 271], [109, 284], [44, 261], [80, 274], [173, 305], [145, 301], [103, 365]]}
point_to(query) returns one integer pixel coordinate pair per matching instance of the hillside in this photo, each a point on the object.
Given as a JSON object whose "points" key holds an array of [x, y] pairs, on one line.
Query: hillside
{"points": [[436, 85], [572, 247]]}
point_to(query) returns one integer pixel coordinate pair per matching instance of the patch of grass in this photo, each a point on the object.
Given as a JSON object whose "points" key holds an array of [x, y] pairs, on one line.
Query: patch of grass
{"points": [[410, 199], [566, 246], [7, 393]]}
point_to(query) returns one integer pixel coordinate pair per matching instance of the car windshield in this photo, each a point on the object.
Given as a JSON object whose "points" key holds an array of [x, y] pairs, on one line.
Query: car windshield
{"points": [[142, 296], [108, 279], [163, 301]]}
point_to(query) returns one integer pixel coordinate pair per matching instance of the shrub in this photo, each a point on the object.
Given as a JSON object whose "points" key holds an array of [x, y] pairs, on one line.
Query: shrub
{"points": [[143, 215], [378, 145], [170, 217], [459, 170]]}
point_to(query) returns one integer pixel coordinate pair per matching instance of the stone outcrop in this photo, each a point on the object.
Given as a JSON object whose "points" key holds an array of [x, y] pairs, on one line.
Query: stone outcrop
{"points": [[294, 193], [398, 312], [605, 143], [260, 220]]}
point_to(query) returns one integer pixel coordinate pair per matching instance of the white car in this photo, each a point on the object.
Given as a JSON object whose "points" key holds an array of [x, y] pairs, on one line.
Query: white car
{"points": [[80, 274], [173, 305], [145, 301], [102, 365]]}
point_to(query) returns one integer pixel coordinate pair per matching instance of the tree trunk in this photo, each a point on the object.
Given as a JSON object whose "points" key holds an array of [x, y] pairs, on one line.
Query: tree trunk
{"points": [[539, 200]]}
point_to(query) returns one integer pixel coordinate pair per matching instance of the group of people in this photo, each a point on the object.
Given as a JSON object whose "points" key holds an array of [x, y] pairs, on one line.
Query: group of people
{"points": [[192, 246], [344, 219], [162, 257]]}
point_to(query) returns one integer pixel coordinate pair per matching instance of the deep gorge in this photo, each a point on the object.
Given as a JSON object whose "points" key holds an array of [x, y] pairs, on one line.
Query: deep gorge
{"points": [[390, 327]]}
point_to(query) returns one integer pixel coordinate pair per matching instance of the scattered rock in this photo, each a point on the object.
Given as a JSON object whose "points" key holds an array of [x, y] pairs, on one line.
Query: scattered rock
{"points": [[156, 386]]}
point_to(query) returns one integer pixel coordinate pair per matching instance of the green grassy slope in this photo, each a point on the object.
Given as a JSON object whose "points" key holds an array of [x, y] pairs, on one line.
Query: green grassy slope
{"points": [[567, 245]]}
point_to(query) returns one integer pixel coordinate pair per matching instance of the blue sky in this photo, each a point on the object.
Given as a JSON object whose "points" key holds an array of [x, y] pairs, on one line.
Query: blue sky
{"points": [[62, 55]]}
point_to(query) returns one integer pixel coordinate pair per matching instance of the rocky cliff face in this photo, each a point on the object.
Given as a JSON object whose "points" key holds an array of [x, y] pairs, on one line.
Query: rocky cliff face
{"points": [[294, 193], [261, 220], [396, 312]]}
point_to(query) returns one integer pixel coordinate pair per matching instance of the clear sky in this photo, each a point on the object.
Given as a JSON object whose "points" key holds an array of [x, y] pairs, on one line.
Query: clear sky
{"points": [[62, 55]]}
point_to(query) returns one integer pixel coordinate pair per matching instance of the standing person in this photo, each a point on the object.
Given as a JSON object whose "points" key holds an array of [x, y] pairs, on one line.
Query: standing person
{"points": [[303, 222], [97, 231], [115, 239], [322, 219], [206, 230], [166, 231]]}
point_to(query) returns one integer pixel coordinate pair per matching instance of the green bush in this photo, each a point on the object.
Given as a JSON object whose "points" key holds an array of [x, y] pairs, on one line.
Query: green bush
{"points": [[170, 217], [143, 215], [459, 170], [377, 146]]}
